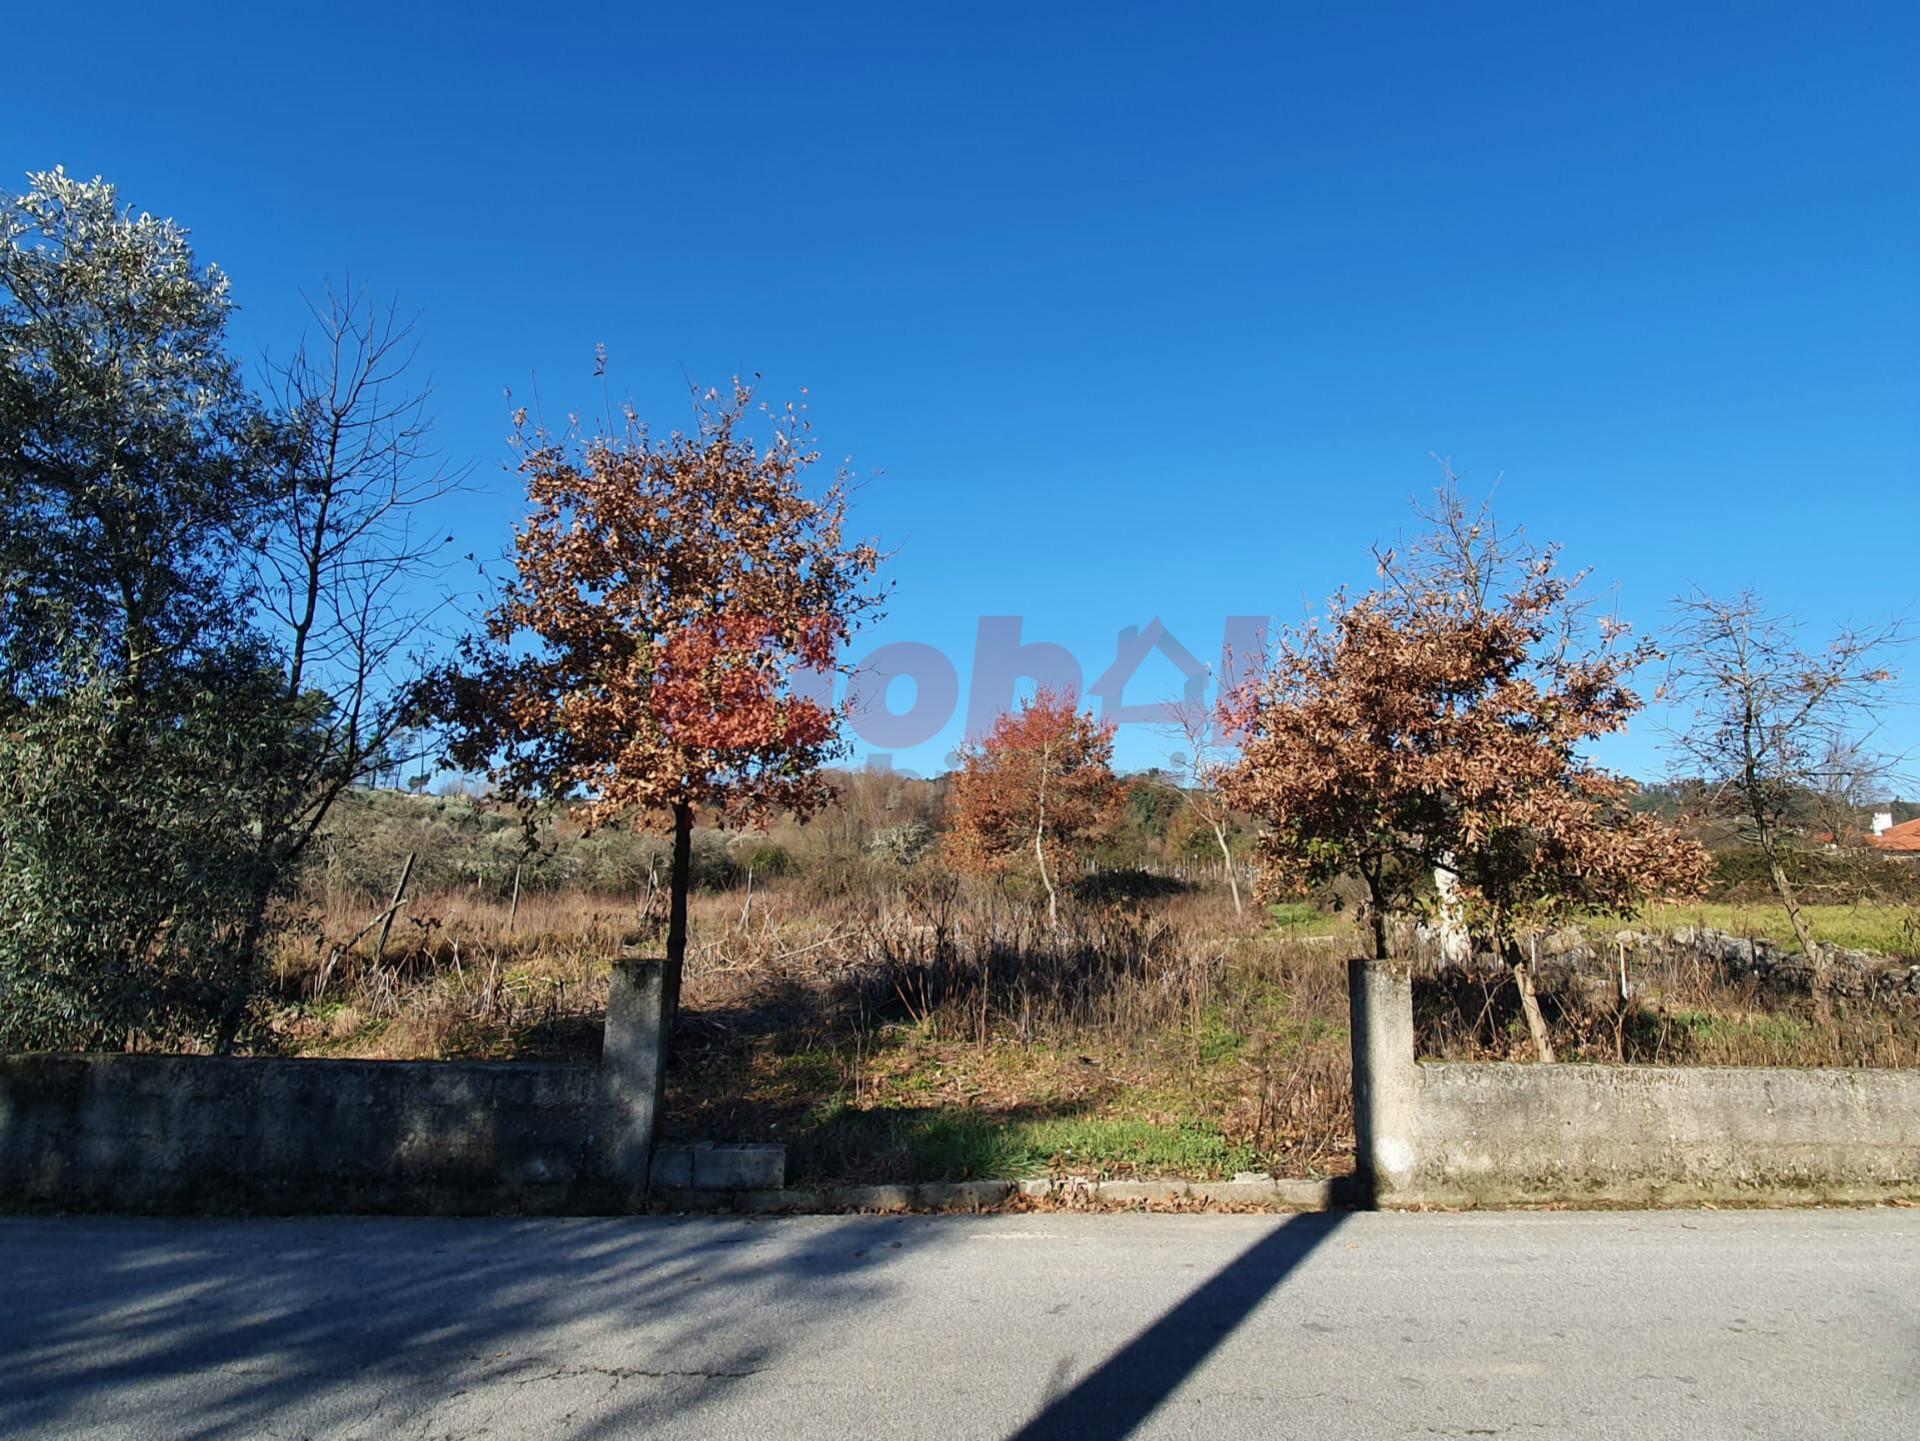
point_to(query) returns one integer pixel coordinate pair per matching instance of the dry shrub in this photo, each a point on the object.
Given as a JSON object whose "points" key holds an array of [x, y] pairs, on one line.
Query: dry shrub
{"points": [[457, 977], [1678, 1010]]}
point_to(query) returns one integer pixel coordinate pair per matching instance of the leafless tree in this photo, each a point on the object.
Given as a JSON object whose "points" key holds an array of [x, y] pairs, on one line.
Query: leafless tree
{"points": [[1201, 766], [1848, 780], [351, 566], [348, 565], [1772, 723]]}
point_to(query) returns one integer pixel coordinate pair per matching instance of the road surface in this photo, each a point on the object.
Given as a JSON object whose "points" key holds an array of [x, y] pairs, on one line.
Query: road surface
{"points": [[1689, 1324]]}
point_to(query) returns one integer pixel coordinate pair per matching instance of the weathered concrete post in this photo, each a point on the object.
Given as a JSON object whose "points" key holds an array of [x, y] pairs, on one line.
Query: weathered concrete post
{"points": [[633, 1064], [1386, 1081]]}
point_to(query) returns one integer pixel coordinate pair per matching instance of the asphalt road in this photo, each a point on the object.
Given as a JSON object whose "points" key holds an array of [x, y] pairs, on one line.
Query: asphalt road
{"points": [[1701, 1325]]}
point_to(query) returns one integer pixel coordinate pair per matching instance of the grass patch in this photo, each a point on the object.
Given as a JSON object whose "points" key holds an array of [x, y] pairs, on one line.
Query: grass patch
{"points": [[1215, 1040], [1771, 1030], [954, 1143], [1893, 930], [1297, 919]]}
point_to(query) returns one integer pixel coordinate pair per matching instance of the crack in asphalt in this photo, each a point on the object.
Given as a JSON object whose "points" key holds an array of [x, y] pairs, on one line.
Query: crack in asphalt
{"points": [[625, 1373]]}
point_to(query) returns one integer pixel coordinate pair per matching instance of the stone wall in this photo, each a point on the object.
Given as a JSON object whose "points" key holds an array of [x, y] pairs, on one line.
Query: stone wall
{"points": [[1460, 1134], [203, 1133]]}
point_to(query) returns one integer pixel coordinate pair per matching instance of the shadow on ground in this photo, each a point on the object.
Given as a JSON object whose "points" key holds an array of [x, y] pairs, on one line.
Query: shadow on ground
{"points": [[378, 1327], [1130, 1385], [364, 1327]]}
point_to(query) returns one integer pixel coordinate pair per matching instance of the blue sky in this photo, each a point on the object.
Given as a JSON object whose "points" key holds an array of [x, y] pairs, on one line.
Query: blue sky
{"points": [[1141, 312]]}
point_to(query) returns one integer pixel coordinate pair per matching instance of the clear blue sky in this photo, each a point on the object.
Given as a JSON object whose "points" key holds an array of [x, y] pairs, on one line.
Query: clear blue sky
{"points": [[1141, 312]]}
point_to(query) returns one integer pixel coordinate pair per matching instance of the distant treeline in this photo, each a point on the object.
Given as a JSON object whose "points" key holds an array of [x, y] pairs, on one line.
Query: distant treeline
{"points": [[877, 820]]}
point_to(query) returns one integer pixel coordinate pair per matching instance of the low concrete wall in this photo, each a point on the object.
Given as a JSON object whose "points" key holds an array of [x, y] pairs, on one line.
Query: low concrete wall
{"points": [[202, 1133], [1460, 1134]]}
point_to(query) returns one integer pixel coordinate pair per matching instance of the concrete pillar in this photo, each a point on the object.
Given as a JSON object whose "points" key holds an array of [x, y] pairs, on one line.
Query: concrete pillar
{"points": [[1386, 1081], [633, 1064]]}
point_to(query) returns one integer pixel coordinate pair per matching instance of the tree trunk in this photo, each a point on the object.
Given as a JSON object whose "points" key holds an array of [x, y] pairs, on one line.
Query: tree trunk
{"points": [[677, 882], [1226, 857], [1376, 916], [1816, 958], [247, 963], [1530, 1003], [1040, 854]]}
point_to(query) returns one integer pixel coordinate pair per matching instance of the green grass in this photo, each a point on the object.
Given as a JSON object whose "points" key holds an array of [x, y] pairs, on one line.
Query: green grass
{"points": [[1867, 926], [1219, 1039], [1215, 1040], [952, 1143], [1782, 1031], [815, 1070], [1303, 918]]}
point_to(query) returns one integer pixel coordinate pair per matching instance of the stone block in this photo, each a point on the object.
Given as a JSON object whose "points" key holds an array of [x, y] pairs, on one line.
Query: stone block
{"points": [[879, 1198], [672, 1167], [799, 1200], [744, 1167], [963, 1195], [1141, 1190]]}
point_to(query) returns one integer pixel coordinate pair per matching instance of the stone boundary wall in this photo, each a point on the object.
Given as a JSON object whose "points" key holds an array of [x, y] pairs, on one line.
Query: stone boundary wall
{"points": [[205, 1133], [1453, 1133]]}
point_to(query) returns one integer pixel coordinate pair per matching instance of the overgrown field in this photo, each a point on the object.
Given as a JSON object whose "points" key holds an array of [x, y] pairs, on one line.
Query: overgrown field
{"points": [[913, 1030], [894, 1023]]}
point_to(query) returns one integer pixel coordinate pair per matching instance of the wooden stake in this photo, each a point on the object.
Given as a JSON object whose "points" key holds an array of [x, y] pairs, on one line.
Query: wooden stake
{"points": [[393, 907]]}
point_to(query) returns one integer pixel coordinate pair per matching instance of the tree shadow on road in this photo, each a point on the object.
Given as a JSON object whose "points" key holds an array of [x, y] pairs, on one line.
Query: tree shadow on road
{"points": [[214, 1331], [365, 1327], [1136, 1380]]}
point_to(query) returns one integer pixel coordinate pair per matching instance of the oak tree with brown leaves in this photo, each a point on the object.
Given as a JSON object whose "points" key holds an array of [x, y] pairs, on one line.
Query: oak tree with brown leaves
{"points": [[1038, 785], [651, 657], [1440, 721]]}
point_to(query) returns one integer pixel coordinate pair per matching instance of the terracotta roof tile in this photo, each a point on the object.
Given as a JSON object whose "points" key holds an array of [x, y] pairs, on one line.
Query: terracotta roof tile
{"points": [[1904, 838]]}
